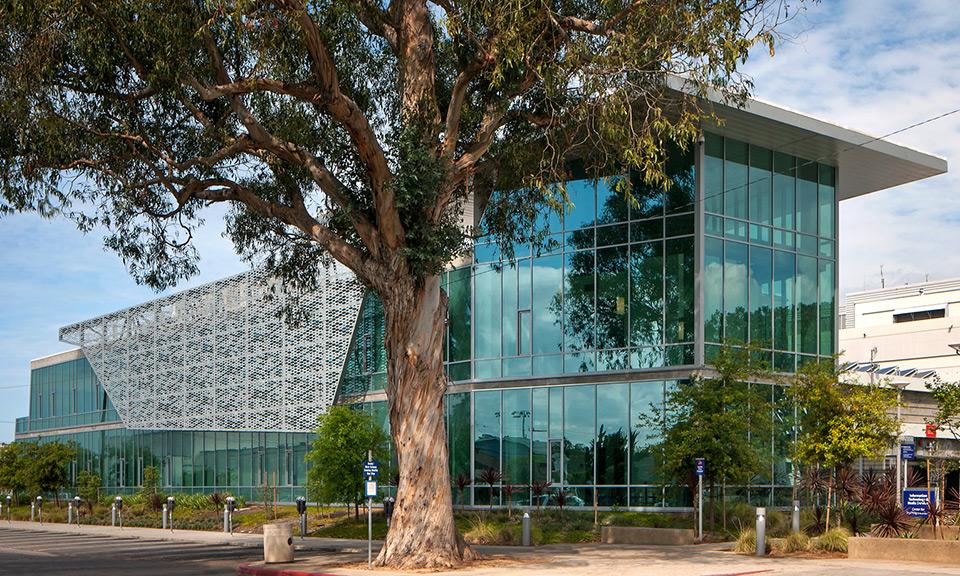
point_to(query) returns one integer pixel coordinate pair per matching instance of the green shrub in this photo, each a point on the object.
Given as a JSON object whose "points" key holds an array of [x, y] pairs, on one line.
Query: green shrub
{"points": [[834, 540], [778, 523], [482, 531], [795, 542], [747, 542]]}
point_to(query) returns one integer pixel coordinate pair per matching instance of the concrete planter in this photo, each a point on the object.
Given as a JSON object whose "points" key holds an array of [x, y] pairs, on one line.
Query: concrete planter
{"points": [[932, 551], [650, 536]]}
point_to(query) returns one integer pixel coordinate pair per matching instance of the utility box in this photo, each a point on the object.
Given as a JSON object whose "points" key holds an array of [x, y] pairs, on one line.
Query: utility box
{"points": [[277, 543]]}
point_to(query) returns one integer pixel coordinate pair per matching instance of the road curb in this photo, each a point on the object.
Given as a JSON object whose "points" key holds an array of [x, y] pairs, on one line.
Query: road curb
{"points": [[255, 570]]}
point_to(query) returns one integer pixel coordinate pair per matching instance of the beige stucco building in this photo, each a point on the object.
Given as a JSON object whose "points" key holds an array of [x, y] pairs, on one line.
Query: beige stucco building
{"points": [[908, 335]]}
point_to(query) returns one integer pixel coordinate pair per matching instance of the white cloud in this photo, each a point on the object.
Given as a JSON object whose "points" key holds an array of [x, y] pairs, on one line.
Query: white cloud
{"points": [[877, 67]]}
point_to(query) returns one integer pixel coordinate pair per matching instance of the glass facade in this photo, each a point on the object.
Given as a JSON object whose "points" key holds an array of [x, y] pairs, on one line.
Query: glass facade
{"points": [[66, 394], [68, 404], [613, 298], [190, 461], [586, 437], [769, 245]]}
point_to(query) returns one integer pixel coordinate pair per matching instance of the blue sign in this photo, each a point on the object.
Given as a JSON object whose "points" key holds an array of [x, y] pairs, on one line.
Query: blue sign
{"points": [[915, 501], [371, 469], [370, 488], [701, 466], [908, 452]]}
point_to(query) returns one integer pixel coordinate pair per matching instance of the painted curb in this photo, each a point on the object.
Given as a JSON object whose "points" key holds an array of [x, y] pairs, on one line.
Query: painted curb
{"points": [[251, 570]]}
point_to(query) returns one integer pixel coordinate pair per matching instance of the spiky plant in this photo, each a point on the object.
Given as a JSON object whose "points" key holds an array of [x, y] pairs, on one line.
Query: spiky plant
{"points": [[539, 488], [892, 521], [490, 477], [462, 482]]}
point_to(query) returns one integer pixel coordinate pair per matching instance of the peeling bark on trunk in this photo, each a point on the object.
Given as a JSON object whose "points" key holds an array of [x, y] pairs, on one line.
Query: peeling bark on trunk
{"points": [[422, 531]]}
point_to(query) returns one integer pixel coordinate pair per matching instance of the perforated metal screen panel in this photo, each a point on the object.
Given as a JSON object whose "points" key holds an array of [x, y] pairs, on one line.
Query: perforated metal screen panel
{"points": [[220, 356]]}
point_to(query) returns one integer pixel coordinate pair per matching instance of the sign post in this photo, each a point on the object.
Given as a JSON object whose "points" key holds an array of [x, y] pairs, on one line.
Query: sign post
{"points": [[701, 468], [370, 472], [908, 452], [916, 502]]}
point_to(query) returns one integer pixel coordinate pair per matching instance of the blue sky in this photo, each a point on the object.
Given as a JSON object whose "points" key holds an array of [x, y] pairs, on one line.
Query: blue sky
{"points": [[874, 66]]}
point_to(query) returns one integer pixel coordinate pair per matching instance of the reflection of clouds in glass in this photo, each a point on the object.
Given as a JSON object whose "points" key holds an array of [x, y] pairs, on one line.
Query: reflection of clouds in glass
{"points": [[578, 424], [735, 283], [547, 285], [487, 312]]}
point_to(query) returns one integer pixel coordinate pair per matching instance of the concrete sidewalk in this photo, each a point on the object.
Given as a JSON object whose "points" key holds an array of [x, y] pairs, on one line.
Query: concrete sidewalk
{"points": [[327, 556], [196, 536], [609, 560]]}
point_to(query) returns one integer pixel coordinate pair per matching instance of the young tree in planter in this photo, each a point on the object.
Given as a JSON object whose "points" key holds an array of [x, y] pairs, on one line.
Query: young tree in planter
{"points": [[839, 421], [947, 395], [344, 435], [88, 488], [14, 461], [712, 417], [354, 130]]}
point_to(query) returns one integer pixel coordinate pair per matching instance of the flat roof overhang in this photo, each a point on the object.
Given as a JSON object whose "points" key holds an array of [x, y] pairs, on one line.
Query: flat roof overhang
{"points": [[866, 163]]}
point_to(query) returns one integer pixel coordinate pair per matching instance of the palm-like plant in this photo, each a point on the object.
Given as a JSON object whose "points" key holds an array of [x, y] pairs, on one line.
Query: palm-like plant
{"points": [[462, 481], [814, 481], [490, 477], [560, 497], [892, 521], [507, 492], [539, 488]]}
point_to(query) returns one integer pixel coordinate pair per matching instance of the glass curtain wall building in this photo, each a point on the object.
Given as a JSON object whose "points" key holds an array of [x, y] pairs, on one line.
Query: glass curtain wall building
{"points": [[557, 360]]}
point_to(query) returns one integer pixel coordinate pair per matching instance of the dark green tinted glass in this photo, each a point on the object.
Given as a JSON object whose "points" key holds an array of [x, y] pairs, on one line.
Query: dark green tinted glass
{"points": [[761, 185], [735, 292], [807, 304], [578, 433], [713, 290], [646, 294], [713, 174], [613, 433], [761, 296], [679, 289], [735, 179]]}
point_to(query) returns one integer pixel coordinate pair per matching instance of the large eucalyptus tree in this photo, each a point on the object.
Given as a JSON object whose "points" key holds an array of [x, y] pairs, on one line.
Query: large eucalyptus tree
{"points": [[355, 130]]}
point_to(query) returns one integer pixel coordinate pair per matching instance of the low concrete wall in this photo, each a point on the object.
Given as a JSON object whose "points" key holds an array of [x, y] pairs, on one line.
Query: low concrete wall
{"points": [[932, 551], [927, 532], [654, 536]]}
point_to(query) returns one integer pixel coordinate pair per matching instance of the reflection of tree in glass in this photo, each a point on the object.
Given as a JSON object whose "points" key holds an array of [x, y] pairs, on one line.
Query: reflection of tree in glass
{"points": [[605, 326], [611, 451]]}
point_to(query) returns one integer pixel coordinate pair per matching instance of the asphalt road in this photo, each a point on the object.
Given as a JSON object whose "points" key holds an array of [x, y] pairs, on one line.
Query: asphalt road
{"points": [[40, 553]]}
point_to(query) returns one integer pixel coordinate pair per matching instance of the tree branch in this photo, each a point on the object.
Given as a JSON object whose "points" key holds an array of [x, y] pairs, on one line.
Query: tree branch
{"points": [[346, 112]]}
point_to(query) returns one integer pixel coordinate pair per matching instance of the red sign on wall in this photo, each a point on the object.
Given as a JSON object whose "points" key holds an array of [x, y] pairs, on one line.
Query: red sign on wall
{"points": [[931, 430]]}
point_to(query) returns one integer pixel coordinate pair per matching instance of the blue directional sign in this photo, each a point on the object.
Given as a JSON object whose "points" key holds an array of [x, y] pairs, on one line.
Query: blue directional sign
{"points": [[701, 466], [908, 452], [371, 469], [915, 502]]}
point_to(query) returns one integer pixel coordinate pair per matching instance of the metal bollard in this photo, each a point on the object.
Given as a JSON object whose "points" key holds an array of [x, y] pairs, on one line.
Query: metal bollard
{"points": [[69, 512], [796, 516], [171, 504], [525, 540], [9, 509], [113, 515], [164, 516], [76, 506], [40, 509], [761, 531], [228, 509], [32, 511], [302, 510]]}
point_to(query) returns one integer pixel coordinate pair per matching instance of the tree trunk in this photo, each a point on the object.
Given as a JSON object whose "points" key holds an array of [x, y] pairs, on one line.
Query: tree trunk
{"points": [[826, 523], [422, 532]]}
